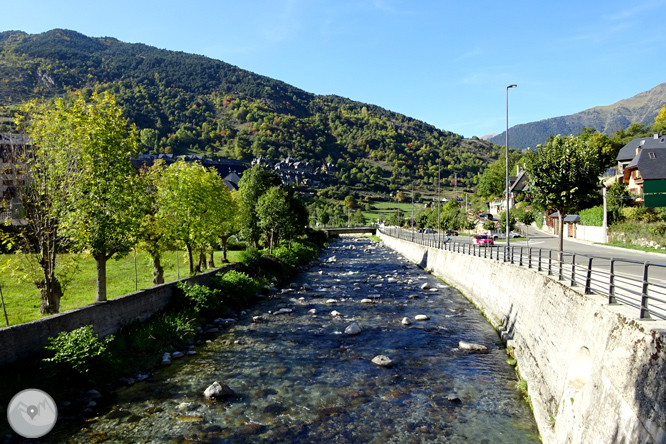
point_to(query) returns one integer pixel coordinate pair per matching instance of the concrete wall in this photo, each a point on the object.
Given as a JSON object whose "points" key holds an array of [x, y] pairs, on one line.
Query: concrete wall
{"points": [[25, 340], [595, 374], [592, 234]]}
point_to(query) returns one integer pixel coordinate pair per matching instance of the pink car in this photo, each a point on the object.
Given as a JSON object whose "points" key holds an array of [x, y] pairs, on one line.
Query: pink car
{"points": [[483, 240]]}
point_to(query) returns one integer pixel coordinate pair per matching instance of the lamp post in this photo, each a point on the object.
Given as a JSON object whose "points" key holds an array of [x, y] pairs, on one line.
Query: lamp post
{"points": [[439, 199], [506, 227]]}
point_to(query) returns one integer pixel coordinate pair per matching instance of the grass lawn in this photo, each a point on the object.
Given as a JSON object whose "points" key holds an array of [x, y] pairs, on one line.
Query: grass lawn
{"points": [[22, 298], [385, 209]]}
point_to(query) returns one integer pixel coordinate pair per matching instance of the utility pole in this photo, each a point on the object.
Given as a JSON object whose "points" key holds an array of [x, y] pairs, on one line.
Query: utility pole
{"points": [[439, 198], [412, 211]]}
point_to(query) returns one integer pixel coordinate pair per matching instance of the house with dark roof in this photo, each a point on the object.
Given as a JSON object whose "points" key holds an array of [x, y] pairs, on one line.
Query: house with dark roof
{"points": [[645, 176], [628, 152]]}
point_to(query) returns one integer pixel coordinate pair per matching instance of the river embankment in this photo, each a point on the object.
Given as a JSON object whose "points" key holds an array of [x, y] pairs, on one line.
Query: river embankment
{"points": [[595, 373], [302, 366]]}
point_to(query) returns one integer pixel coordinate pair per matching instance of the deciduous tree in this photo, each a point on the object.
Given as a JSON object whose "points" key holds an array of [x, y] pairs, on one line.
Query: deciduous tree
{"points": [[564, 174], [103, 211]]}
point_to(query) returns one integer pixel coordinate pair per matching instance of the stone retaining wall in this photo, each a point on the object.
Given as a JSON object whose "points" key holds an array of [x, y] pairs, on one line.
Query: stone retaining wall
{"points": [[22, 341], [595, 374]]}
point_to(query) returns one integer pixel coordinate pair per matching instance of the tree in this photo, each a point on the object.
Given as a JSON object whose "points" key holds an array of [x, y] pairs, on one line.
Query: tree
{"points": [[193, 204], [660, 121], [493, 180], [232, 224], [512, 221], [151, 236], [350, 202], [100, 215], [48, 167], [563, 175], [254, 183], [273, 213]]}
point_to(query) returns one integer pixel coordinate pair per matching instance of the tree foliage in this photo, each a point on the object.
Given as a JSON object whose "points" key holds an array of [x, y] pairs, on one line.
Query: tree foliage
{"points": [[103, 211], [192, 202], [564, 174]]}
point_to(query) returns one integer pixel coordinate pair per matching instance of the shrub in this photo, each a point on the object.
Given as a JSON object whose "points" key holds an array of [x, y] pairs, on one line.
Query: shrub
{"points": [[592, 216], [236, 245], [638, 214], [79, 349], [317, 237], [202, 299], [236, 287], [251, 258]]}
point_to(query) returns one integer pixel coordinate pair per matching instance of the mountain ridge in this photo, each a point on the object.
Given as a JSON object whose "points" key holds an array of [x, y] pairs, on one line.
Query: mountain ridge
{"points": [[641, 108], [191, 104]]}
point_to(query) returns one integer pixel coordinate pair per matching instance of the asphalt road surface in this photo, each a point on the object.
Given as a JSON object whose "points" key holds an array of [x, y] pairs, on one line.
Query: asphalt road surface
{"points": [[629, 265]]}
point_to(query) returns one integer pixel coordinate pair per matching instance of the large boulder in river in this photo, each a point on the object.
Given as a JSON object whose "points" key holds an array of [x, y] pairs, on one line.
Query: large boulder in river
{"points": [[382, 361], [353, 329], [218, 391]]}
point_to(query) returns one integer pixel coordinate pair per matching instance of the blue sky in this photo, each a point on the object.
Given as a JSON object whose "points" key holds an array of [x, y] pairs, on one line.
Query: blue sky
{"points": [[445, 62]]}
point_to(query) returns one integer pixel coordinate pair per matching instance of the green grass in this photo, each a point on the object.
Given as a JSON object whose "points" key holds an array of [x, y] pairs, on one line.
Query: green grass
{"points": [[385, 209], [22, 298], [636, 247]]}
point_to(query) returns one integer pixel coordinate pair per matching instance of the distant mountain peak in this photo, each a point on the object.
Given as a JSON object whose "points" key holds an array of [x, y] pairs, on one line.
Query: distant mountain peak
{"points": [[641, 108]]}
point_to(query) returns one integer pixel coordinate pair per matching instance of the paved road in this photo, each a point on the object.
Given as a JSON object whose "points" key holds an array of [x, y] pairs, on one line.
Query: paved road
{"points": [[628, 275]]}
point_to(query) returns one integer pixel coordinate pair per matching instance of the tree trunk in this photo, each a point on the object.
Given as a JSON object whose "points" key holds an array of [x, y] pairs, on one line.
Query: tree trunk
{"points": [[202, 261], [560, 247], [51, 292], [224, 240], [100, 259], [211, 258], [188, 247], [158, 271]]}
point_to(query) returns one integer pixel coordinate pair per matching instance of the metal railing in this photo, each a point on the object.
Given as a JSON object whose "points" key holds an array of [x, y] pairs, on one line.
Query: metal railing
{"points": [[623, 281]]}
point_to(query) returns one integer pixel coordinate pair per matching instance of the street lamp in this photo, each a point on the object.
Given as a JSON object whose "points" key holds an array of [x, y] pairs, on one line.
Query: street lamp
{"points": [[439, 198], [506, 227]]}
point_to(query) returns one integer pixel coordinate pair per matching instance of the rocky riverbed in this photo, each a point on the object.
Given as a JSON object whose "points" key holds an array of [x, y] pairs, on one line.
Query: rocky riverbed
{"points": [[362, 347]]}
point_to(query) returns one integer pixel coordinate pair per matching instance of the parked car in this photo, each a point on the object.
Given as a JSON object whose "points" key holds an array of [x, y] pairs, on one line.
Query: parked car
{"points": [[451, 232], [483, 240], [496, 234], [485, 216]]}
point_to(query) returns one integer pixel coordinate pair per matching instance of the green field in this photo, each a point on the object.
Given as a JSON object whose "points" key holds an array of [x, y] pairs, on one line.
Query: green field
{"points": [[22, 298], [385, 209]]}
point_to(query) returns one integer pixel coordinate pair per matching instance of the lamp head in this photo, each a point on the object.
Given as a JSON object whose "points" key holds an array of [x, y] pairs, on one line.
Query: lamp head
{"points": [[511, 86]]}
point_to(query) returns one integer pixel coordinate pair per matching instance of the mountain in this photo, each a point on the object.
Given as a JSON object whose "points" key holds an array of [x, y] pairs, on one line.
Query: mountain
{"points": [[191, 104], [641, 108]]}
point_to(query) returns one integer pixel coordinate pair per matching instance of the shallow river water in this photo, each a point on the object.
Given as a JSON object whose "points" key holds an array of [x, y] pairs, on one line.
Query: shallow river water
{"points": [[298, 378]]}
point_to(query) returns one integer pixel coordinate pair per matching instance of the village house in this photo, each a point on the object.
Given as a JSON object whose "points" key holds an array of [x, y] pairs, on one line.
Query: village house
{"points": [[642, 168]]}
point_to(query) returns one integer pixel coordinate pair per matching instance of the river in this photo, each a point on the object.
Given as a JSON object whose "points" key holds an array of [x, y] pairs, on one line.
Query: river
{"points": [[298, 378]]}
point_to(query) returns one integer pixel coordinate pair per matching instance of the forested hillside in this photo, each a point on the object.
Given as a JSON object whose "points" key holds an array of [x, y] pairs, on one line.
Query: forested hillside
{"points": [[190, 104], [642, 108]]}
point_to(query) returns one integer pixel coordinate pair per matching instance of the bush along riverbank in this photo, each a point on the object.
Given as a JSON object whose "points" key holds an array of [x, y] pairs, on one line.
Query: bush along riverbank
{"points": [[78, 367]]}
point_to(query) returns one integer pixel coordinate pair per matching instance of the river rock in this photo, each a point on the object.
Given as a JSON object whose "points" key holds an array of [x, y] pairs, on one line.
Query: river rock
{"points": [[406, 321], [421, 317], [462, 345], [382, 361], [336, 313], [312, 311], [367, 301], [413, 296], [425, 286], [177, 355], [353, 329], [331, 301], [93, 394], [218, 391], [283, 311]]}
